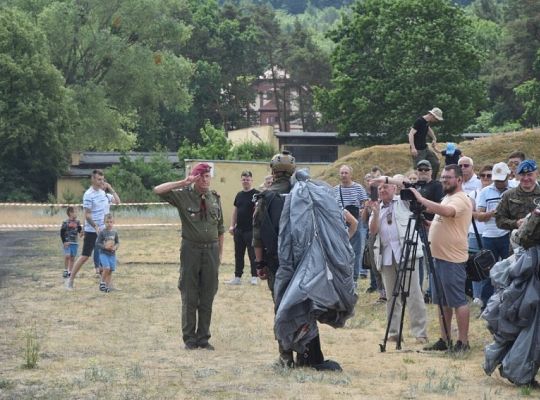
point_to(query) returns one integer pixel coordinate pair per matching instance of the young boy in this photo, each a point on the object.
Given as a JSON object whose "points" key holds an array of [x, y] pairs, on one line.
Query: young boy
{"points": [[107, 243], [69, 231]]}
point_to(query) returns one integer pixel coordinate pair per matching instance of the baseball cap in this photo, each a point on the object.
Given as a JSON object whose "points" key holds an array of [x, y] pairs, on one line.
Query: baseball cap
{"points": [[500, 172], [423, 163], [450, 148], [526, 166]]}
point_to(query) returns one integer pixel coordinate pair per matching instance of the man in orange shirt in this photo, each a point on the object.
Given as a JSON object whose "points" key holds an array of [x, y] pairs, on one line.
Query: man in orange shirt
{"points": [[448, 238]]}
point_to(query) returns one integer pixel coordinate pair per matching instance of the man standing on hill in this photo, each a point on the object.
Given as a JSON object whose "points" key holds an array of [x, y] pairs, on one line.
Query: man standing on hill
{"points": [[200, 211], [417, 139]]}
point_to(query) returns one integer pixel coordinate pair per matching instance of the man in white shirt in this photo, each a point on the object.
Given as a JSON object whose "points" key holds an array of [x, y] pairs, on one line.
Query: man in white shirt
{"points": [[493, 238], [470, 180]]}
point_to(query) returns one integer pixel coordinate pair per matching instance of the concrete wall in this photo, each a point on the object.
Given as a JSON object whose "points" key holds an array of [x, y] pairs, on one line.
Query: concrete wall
{"points": [[73, 186], [226, 178]]}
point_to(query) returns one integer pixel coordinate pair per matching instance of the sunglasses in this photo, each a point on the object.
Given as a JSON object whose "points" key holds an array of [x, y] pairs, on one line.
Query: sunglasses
{"points": [[485, 175], [464, 165], [423, 169]]}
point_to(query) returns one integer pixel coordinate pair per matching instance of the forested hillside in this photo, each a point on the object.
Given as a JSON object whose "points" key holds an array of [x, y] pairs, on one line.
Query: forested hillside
{"points": [[153, 74]]}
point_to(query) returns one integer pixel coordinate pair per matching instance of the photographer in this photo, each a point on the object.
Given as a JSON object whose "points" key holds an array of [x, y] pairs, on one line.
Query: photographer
{"points": [[388, 222], [448, 239], [429, 189]]}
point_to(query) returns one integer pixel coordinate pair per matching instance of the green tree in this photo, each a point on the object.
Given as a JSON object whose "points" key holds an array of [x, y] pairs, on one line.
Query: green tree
{"points": [[393, 61], [213, 145], [135, 178], [36, 111], [122, 60]]}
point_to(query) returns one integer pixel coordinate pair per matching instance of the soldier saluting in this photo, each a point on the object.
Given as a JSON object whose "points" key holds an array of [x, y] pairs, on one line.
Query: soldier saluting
{"points": [[200, 211]]}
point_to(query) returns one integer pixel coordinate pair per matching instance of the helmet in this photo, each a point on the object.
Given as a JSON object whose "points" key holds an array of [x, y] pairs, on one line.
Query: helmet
{"points": [[283, 162]]}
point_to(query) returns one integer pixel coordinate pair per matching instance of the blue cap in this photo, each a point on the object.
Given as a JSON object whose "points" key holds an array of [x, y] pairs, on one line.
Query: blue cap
{"points": [[526, 166], [450, 148]]}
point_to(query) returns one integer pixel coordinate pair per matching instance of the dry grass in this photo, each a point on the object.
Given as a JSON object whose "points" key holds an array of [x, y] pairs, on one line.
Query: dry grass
{"points": [[396, 159], [127, 344]]}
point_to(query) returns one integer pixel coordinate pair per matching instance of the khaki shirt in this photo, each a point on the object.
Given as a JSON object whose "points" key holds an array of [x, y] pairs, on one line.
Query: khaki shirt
{"points": [[448, 235], [197, 225], [515, 204]]}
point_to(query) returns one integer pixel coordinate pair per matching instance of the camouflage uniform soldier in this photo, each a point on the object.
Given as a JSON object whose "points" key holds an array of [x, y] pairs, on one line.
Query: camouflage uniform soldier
{"points": [[200, 211], [516, 203], [265, 244]]}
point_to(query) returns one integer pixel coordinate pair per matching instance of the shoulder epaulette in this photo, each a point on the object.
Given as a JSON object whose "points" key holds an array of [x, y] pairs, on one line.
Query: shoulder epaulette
{"points": [[215, 193]]}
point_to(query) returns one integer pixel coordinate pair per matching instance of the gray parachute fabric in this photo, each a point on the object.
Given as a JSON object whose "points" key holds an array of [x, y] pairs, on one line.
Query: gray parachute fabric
{"points": [[513, 317], [314, 281]]}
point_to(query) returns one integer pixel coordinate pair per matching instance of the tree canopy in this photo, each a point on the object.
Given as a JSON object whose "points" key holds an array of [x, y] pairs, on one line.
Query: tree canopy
{"points": [[395, 59]]}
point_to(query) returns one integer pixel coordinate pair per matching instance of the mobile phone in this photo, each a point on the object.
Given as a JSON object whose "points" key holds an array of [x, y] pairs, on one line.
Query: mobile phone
{"points": [[373, 193]]}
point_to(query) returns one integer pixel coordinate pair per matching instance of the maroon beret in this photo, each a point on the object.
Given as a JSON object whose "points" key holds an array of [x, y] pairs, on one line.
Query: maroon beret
{"points": [[201, 168]]}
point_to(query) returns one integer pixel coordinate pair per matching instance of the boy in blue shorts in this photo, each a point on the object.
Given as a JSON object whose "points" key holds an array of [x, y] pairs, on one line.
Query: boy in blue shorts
{"points": [[69, 232], [107, 242]]}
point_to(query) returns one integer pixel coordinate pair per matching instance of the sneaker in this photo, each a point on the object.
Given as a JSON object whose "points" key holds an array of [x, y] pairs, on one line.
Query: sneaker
{"points": [[286, 360], [461, 347], [478, 302], [371, 289], [439, 345], [207, 346], [65, 274], [254, 280], [69, 284], [381, 300], [234, 281], [103, 287], [427, 298]]}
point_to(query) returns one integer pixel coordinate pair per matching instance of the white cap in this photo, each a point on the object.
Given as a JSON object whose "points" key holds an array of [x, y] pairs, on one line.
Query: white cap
{"points": [[500, 172]]}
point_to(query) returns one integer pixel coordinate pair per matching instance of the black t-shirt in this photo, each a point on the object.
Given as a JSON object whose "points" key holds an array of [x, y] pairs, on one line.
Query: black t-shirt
{"points": [[432, 191], [453, 159], [245, 207], [421, 126]]}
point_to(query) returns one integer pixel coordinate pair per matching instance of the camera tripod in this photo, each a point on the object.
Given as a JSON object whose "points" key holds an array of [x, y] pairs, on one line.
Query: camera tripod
{"points": [[415, 232]]}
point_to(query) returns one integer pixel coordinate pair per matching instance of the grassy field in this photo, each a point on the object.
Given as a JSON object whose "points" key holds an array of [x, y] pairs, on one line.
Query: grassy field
{"points": [[127, 344]]}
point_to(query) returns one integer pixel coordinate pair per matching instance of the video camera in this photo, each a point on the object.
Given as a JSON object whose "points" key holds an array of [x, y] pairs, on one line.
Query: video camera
{"points": [[407, 195]]}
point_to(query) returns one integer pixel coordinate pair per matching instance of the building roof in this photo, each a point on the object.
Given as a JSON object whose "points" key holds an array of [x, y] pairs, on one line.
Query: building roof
{"points": [[306, 134], [110, 158]]}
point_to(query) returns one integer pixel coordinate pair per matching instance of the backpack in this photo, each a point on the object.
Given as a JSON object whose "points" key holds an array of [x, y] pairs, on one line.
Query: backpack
{"points": [[270, 221]]}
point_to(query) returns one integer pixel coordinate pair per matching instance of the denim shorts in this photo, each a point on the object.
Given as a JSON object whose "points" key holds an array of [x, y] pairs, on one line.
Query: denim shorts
{"points": [[107, 261], [71, 250], [451, 277]]}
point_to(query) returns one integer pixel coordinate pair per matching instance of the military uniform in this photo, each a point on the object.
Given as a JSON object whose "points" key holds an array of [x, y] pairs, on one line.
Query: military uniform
{"points": [[281, 185], [515, 205], [202, 224]]}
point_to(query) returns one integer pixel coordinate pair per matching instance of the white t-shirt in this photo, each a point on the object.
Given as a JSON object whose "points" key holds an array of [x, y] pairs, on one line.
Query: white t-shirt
{"points": [[479, 225], [472, 184], [99, 203], [489, 198]]}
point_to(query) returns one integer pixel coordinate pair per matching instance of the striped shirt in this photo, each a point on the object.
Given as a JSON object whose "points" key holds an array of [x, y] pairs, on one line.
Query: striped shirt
{"points": [[99, 203], [354, 195]]}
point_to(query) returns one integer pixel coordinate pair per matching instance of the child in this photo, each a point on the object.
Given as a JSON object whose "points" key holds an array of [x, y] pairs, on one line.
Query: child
{"points": [[451, 154], [107, 243], [71, 227]]}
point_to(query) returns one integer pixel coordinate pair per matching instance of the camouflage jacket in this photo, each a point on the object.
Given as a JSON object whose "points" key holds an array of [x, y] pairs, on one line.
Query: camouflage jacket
{"points": [[529, 232], [515, 204]]}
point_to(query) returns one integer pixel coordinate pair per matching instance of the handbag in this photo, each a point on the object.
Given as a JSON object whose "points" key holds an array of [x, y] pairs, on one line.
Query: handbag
{"points": [[354, 210], [368, 261], [480, 263]]}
